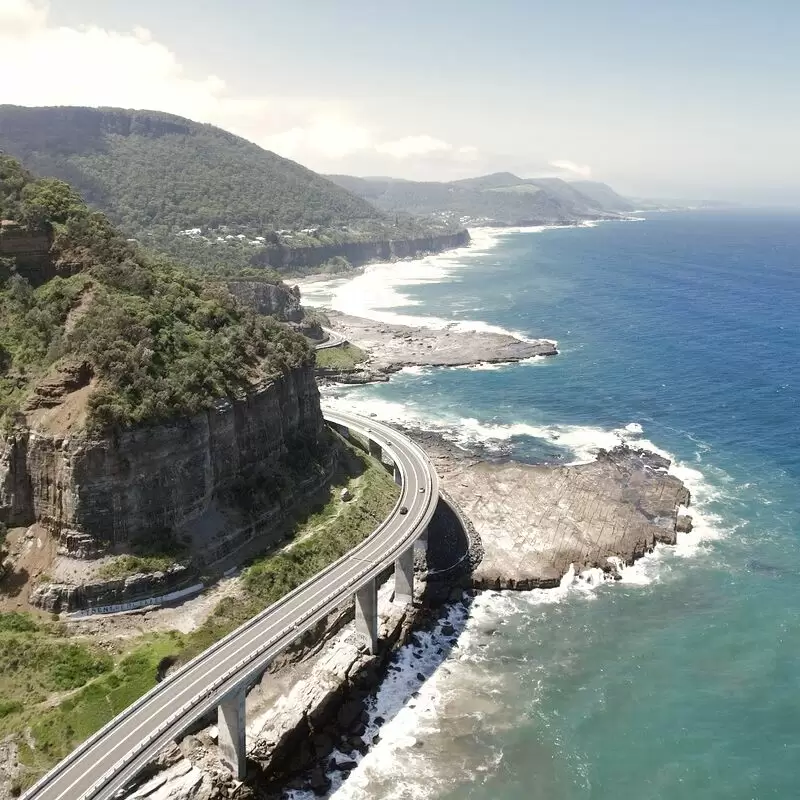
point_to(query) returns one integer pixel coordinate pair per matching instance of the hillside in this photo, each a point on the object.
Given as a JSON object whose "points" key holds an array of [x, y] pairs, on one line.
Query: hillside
{"points": [[157, 173], [85, 312], [195, 191], [500, 198], [603, 194]]}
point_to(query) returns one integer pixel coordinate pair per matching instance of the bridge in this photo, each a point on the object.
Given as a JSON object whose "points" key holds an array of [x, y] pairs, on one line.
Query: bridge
{"points": [[334, 340], [219, 677]]}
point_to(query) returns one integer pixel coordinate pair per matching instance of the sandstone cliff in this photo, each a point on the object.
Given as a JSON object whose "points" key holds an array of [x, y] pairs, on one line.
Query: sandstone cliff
{"points": [[29, 249], [104, 493], [272, 300], [282, 257]]}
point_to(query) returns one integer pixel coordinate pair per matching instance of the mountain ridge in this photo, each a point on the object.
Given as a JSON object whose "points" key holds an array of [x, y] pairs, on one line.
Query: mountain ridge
{"points": [[500, 198]]}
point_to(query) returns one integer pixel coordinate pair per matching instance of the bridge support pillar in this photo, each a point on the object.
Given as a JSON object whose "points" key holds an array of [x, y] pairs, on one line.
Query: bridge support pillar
{"points": [[398, 476], [421, 544], [231, 725], [375, 450], [404, 577], [367, 615]]}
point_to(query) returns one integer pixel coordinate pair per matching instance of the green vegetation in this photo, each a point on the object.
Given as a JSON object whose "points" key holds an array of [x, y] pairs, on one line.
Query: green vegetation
{"points": [[502, 197], [39, 659], [344, 357], [154, 554], [57, 731], [36, 660], [320, 535], [158, 342], [156, 175], [122, 566]]}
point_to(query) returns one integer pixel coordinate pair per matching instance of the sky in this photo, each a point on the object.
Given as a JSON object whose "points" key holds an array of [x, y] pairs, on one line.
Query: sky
{"points": [[692, 99]]}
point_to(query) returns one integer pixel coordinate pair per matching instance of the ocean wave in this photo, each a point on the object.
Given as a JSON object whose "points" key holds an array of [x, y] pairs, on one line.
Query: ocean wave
{"points": [[580, 442], [427, 703], [379, 287]]}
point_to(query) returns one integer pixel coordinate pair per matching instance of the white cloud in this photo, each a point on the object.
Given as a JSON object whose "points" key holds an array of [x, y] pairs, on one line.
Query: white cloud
{"points": [[580, 170], [139, 72], [47, 64], [19, 17], [330, 135], [413, 146]]}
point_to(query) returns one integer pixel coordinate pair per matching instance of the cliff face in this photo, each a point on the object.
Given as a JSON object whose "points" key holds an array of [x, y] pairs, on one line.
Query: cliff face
{"points": [[358, 253], [110, 491], [30, 251], [273, 300]]}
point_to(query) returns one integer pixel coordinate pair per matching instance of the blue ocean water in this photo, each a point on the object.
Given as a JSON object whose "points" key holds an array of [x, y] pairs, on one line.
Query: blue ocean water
{"points": [[683, 681]]}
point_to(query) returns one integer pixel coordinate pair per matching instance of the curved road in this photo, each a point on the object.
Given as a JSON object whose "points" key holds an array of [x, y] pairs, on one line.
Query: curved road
{"points": [[334, 340], [107, 761]]}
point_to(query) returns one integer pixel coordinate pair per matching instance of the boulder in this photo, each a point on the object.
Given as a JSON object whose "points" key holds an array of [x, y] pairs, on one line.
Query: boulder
{"points": [[684, 524]]}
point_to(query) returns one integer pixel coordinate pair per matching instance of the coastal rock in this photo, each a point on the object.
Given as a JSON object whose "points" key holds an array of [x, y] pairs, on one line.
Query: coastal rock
{"points": [[537, 522], [269, 299], [287, 258], [56, 598], [392, 348], [684, 524], [153, 478]]}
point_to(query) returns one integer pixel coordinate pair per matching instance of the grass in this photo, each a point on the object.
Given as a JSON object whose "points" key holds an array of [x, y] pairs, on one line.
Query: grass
{"points": [[319, 537], [154, 554], [56, 731], [345, 357], [40, 663], [123, 566], [38, 660]]}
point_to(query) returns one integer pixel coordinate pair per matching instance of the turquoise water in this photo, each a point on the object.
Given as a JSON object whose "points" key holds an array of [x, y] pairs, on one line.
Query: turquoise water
{"points": [[683, 681]]}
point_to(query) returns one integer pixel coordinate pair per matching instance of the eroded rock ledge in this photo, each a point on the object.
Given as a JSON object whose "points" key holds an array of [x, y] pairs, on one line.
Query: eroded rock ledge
{"points": [[392, 347], [528, 525], [535, 522]]}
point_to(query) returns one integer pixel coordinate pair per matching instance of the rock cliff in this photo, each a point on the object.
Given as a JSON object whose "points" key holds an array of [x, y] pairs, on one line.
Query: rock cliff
{"points": [[282, 257], [270, 299], [29, 249], [108, 492]]}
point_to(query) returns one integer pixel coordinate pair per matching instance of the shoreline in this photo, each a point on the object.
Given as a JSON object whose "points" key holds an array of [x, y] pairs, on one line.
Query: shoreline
{"points": [[391, 348]]}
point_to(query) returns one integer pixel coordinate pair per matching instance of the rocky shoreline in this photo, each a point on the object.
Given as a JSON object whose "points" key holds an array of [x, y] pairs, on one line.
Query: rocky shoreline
{"points": [[390, 348], [500, 525], [315, 715]]}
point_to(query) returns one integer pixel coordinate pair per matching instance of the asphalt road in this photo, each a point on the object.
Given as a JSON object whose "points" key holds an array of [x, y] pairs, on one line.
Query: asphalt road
{"points": [[107, 761], [334, 340]]}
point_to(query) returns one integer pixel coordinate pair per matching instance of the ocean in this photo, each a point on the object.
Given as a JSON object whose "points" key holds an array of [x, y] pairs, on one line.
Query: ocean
{"points": [[679, 332]]}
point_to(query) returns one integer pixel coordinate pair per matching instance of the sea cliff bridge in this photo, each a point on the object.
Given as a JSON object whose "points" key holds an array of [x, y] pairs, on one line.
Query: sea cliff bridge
{"points": [[220, 676]]}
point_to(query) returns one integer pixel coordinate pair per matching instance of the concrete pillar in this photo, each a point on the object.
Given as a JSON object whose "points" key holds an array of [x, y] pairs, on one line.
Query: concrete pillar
{"points": [[231, 725], [367, 615], [422, 543], [375, 450], [404, 577], [398, 477]]}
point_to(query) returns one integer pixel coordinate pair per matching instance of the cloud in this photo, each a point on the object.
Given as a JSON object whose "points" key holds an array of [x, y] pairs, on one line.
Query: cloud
{"points": [[414, 146], [580, 170], [18, 17], [140, 72], [47, 64], [52, 65]]}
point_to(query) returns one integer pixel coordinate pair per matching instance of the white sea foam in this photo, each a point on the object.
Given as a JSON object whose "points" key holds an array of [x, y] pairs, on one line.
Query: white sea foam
{"points": [[395, 764], [413, 756], [379, 288]]}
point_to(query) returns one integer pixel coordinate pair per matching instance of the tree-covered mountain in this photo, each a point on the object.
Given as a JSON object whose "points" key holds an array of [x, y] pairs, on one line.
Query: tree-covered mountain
{"points": [[157, 173], [85, 312], [501, 198], [603, 194]]}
